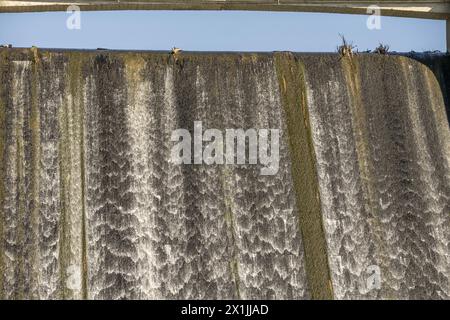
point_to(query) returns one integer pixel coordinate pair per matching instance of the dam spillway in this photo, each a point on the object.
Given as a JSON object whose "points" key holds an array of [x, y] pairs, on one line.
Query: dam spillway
{"points": [[92, 207]]}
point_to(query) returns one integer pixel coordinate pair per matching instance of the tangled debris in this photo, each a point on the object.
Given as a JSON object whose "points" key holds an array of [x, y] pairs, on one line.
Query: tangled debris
{"points": [[382, 49], [346, 49], [175, 50]]}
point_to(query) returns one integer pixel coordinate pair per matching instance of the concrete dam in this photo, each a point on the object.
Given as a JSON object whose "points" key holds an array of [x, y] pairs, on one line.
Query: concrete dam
{"points": [[92, 207]]}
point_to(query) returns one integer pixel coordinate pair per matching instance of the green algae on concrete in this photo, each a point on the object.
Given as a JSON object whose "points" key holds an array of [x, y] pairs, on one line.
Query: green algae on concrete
{"points": [[76, 62], [35, 156], [70, 119], [293, 94]]}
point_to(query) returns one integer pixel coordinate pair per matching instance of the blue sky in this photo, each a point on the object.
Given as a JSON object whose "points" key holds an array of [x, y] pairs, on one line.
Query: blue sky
{"points": [[218, 31]]}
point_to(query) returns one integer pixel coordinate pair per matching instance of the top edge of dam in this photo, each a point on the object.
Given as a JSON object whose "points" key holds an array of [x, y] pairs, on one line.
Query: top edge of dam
{"points": [[185, 53], [219, 52]]}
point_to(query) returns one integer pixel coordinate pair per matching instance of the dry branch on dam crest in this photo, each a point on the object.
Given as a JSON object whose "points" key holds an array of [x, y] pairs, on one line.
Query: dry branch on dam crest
{"points": [[92, 207]]}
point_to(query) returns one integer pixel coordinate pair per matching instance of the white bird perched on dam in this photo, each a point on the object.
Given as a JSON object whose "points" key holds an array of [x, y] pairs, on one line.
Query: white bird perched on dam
{"points": [[175, 50]]}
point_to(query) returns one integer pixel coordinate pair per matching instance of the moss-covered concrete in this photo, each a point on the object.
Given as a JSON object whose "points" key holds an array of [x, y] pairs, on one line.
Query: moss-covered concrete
{"points": [[293, 92]]}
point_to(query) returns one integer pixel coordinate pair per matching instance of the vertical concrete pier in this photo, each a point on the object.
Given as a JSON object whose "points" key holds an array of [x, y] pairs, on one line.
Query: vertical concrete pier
{"points": [[448, 35]]}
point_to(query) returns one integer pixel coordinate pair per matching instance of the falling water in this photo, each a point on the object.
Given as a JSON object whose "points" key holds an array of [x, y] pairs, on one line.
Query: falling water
{"points": [[92, 207]]}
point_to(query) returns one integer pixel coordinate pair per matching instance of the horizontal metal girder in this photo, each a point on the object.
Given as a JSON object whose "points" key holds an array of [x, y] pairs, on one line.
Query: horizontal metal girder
{"points": [[436, 9]]}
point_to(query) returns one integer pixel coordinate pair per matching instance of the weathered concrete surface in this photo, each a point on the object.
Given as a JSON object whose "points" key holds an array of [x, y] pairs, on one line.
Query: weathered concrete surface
{"points": [[435, 9], [91, 206]]}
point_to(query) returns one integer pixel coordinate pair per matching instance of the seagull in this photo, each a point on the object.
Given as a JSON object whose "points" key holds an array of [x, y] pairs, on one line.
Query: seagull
{"points": [[176, 50]]}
